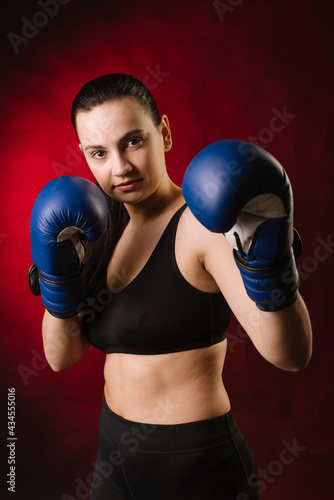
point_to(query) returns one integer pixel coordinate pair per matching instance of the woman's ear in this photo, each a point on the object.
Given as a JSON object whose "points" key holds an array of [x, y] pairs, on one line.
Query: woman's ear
{"points": [[166, 132]]}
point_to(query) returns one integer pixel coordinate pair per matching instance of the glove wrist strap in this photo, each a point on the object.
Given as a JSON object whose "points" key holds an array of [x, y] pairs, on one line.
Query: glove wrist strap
{"points": [[272, 287], [63, 299]]}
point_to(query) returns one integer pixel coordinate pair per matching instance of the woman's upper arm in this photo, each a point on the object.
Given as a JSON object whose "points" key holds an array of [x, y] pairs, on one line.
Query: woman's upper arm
{"points": [[218, 261]]}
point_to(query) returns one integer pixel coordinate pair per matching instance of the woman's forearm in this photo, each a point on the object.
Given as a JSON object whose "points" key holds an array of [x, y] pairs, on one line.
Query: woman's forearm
{"points": [[64, 342], [286, 336]]}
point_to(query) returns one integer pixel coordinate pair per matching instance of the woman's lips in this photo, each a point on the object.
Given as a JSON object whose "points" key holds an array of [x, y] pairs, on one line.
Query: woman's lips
{"points": [[129, 185]]}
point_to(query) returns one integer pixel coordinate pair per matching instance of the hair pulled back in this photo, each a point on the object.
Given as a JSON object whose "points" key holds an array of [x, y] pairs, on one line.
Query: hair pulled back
{"points": [[111, 87]]}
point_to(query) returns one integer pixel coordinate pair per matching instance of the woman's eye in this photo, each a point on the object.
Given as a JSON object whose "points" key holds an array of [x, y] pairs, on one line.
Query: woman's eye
{"points": [[133, 142], [98, 154]]}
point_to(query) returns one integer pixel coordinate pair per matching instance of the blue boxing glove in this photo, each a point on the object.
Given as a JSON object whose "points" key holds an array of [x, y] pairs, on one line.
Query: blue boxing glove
{"points": [[68, 211], [239, 189]]}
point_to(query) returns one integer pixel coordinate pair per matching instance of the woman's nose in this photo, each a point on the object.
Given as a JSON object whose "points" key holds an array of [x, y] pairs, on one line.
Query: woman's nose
{"points": [[120, 166]]}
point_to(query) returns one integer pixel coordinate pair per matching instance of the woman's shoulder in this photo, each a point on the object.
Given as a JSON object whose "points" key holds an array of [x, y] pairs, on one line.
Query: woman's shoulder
{"points": [[204, 255], [193, 232], [195, 246]]}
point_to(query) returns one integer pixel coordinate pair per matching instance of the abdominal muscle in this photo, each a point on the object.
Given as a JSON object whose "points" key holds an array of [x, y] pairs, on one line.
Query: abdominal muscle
{"points": [[169, 388]]}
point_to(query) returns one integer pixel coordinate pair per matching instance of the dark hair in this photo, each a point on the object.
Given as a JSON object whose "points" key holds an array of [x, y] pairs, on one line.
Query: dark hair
{"points": [[111, 87], [94, 93]]}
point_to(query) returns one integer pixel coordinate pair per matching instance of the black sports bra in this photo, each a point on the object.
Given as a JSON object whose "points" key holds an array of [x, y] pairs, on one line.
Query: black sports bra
{"points": [[158, 311]]}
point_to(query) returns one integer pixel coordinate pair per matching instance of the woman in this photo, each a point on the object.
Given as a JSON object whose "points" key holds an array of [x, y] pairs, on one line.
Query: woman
{"points": [[166, 427]]}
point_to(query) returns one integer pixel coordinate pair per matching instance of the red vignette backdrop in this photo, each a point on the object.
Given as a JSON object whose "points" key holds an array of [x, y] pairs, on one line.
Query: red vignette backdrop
{"points": [[248, 69]]}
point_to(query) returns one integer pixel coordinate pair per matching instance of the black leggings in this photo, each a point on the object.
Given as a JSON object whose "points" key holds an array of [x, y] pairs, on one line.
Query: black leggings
{"points": [[203, 460]]}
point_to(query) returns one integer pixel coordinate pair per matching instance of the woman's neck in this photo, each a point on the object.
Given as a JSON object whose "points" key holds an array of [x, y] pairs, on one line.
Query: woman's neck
{"points": [[166, 197]]}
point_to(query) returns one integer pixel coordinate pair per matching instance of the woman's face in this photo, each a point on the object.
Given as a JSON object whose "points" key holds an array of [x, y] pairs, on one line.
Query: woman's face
{"points": [[124, 149]]}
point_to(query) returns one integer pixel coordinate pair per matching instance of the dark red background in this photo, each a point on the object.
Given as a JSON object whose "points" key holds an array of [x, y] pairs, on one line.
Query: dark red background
{"points": [[224, 75]]}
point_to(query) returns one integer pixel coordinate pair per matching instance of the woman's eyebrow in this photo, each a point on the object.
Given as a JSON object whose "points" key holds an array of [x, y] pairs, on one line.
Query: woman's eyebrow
{"points": [[128, 134], [97, 146], [134, 131]]}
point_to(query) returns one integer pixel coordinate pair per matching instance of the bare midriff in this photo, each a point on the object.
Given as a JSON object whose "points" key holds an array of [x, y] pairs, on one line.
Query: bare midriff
{"points": [[168, 388]]}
